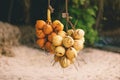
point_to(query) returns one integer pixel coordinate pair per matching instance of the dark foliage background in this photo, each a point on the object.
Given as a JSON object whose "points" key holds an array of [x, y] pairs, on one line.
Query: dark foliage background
{"points": [[99, 18]]}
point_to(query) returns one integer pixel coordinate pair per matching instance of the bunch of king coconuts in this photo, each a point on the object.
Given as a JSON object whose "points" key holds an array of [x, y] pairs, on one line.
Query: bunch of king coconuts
{"points": [[67, 44], [64, 45]]}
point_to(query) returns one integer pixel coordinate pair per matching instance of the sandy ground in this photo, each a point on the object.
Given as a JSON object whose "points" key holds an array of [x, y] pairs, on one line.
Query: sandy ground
{"points": [[33, 64]]}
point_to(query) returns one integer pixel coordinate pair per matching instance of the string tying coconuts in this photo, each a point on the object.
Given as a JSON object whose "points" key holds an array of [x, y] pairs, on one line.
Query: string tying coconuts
{"points": [[64, 45]]}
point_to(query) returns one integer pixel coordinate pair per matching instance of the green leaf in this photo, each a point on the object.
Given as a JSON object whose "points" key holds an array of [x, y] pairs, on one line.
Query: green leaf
{"points": [[95, 7], [91, 11], [82, 2]]}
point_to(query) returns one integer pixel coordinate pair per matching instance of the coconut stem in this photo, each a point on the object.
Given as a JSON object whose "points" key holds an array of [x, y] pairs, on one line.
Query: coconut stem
{"points": [[48, 16], [67, 15], [49, 11], [71, 25]]}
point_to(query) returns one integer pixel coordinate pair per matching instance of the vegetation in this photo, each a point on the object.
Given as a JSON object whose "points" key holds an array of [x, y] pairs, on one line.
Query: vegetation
{"points": [[84, 11]]}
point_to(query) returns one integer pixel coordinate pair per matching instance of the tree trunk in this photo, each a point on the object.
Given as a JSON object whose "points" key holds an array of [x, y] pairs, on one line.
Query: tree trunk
{"points": [[10, 10], [100, 14], [26, 7]]}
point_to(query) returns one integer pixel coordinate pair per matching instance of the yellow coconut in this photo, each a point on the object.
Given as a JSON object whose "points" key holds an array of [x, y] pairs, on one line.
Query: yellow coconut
{"points": [[64, 62], [59, 51], [70, 32], [78, 44], [78, 34], [57, 26], [71, 53], [57, 40], [68, 41]]}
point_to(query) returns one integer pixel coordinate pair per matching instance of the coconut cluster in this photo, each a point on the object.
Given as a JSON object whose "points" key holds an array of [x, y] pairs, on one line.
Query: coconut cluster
{"points": [[66, 46], [45, 31]]}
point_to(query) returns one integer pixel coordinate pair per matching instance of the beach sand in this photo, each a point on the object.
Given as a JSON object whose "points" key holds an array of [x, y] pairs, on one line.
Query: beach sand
{"points": [[34, 64]]}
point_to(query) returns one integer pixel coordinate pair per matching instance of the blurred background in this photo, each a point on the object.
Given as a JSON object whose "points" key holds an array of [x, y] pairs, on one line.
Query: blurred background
{"points": [[99, 18]]}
